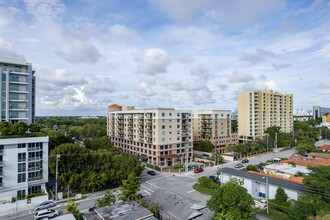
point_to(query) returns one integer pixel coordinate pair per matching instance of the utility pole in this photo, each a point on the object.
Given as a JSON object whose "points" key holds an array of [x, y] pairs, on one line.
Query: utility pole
{"points": [[215, 155], [186, 162], [293, 137], [57, 158], [267, 141], [275, 142], [267, 190]]}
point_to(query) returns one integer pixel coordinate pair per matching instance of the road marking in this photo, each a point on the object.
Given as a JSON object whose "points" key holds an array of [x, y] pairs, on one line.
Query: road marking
{"points": [[191, 191], [147, 192], [147, 188], [198, 196], [152, 185]]}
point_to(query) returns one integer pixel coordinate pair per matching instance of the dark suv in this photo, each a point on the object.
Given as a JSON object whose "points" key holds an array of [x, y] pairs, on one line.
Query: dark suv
{"points": [[245, 161]]}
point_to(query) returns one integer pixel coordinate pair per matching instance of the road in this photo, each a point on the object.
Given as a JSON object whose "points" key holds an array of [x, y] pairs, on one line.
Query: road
{"points": [[181, 184]]}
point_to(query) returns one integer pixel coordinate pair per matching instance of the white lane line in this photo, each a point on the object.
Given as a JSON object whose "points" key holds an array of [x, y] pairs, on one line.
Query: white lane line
{"points": [[191, 191], [147, 188], [152, 185], [147, 192]]}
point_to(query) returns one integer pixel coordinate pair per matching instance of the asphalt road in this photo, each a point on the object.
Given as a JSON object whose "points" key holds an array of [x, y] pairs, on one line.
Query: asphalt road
{"points": [[181, 184]]}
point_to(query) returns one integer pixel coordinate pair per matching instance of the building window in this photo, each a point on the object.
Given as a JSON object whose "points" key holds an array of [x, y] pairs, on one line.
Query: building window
{"points": [[163, 120], [21, 157], [163, 139], [21, 167], [21, 177], [21, 145], [21, 193], [170, 114], [163, 132], [178, 114], [34, 189], [163, 114], [163, 126]]}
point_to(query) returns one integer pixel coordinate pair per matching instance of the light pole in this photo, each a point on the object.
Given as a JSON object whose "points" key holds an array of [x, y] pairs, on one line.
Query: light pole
{"points": [[57, 159], [215, 155], [267, 192]]}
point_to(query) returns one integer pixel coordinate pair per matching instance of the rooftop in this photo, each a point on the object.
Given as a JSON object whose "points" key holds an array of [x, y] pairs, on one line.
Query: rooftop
{"points": [[293, 179], [13, 60], [277, 181], [319, 155], [325, 147], [286, 169], [307, 161], [174, 206], [129, 210]]}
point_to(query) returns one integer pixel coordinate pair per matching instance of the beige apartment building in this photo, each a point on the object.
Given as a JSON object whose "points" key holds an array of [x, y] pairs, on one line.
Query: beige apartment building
{"points": [[162, 136], [259, 110], [214, 126]]}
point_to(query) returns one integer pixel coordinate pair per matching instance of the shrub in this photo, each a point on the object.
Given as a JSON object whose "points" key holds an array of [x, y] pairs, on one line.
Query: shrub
{"points": [[178, 166], [150, 166], [13, 199], [207, 182], [251, 167]]}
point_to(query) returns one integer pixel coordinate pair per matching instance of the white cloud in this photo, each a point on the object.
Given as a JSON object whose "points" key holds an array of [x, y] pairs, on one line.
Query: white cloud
{"points": [[240, 76], [184, 59], [144, 91], [81, 50], [121, 31], [258, 56], [59, 77], [279, 66], [324, 51], [154, 60]]}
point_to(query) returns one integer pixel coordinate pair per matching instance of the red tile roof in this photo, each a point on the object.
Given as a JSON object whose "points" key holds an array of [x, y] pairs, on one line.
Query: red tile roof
{"points": [[294, 179], [325, 147], [307, 161], [115, 105]]}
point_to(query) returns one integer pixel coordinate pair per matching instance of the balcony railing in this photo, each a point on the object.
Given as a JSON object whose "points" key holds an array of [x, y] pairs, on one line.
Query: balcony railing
{"points": [[34, 178], [34, 148], [34, 168], [34, 158]]}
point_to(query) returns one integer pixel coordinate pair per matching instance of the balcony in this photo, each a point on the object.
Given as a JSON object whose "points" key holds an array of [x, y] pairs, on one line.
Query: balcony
{"points": [[207, 121], [18, 82], [19, 109], [34, 158], [17, 100], [19, 73], [34, 148], [35, 178], [34, 168]]}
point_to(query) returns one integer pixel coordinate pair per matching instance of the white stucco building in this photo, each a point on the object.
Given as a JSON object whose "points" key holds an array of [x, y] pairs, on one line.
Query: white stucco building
{"points": [[23, 167], [256, 183]]}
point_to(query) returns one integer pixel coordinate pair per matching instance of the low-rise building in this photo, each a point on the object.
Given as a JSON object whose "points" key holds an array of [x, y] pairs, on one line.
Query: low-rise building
{"points": [[128, 210], [325, 148], [283, 171], [23, 166], [214, 126], [319, 155], [255, 183], [304, 162]]}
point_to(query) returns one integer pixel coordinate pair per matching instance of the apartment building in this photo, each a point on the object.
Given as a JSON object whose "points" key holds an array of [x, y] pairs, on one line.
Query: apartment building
{"points": [[259, 110], [318, 111], [17, 91], [214, 126], [23, 166], [162, 136]]}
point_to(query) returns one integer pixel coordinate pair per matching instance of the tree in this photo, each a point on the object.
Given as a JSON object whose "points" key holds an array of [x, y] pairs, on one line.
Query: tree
{"points": [[234, 126], [251, 167], [317, 182], [34, 127], [4, 128], [231, 201], [73, 209], [206, 182], [206, 146], [280, 196], [308, 206], [107, 200], [130, 187], [19, 128]]}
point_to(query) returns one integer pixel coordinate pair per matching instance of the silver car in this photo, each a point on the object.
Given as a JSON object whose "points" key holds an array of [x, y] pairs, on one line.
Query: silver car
{"points": [[46, 213], [45, 205]]}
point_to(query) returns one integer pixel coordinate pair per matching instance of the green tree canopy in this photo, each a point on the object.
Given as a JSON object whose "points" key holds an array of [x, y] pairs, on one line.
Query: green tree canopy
{"points": [[280, 196], [108, 199], [231, 201], [206, 182], [317, 182], [73, 209], [130, 187], [4, 127], [34, 127], [251, 167]]}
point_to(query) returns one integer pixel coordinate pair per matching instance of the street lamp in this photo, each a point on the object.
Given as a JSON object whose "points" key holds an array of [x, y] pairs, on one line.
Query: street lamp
{"points": [[267, 192]]}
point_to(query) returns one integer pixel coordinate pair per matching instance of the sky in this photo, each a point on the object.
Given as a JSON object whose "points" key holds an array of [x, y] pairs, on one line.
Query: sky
{"points": [[184, 54]]}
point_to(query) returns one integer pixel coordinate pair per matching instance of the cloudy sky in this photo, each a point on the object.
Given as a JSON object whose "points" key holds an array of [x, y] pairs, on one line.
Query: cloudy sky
{"points": [[186, 54]]}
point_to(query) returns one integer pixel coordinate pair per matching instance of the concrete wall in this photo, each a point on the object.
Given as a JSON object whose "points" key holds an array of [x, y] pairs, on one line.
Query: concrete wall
{"points": [[21, 205]]}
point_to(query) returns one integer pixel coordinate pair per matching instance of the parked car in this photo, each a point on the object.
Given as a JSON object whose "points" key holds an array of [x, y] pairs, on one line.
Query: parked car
{"points": [[215, 179], [151, 173], [245, 161], [199, 170], [45, 205], [239, 165], [46, 213], [260, 203]]}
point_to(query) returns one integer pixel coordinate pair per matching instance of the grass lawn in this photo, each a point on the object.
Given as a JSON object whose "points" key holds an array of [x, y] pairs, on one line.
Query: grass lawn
{"points": [[203, 190]]}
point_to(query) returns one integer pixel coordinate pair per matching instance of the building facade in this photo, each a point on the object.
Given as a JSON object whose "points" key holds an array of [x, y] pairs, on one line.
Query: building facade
{"points": [[162, 136], [23, 166], [259, 110], [214, 126], [17, 91], [318, 111]]}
